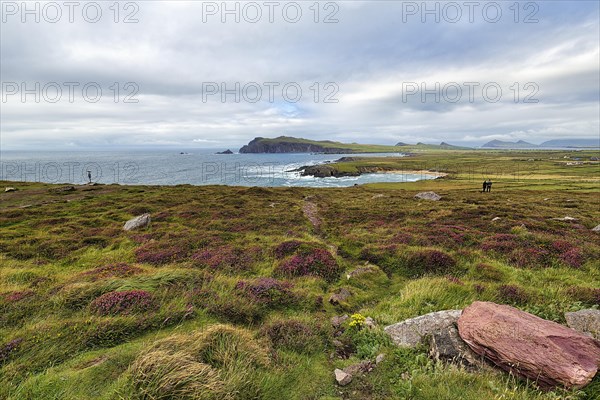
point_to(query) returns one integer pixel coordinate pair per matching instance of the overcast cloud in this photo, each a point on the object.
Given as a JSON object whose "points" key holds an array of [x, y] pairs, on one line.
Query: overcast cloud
{"points": [[374, 61]]}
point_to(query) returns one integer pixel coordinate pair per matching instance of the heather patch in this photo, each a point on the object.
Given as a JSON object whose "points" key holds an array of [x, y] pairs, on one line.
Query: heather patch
{"points": [[313, 262], [159, 253], [268, 291], [125, 302], [512, 294], [226, 258], [430, 262]]}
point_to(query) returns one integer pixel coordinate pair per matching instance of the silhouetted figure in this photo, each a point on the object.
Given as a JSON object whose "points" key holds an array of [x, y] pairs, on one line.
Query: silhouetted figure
{"points": [[489, 185], [484, 186], [90, 176]]}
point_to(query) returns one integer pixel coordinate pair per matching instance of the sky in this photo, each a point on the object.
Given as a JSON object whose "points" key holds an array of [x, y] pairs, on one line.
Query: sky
{"points": [[192, 74]]}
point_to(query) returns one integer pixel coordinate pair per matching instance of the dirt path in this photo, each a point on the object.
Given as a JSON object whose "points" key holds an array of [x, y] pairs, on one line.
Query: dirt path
{"points": [[311, 212]]}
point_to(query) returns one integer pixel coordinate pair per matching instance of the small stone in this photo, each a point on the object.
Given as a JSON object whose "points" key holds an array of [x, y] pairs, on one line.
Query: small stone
{"points": [[428, 196], [370, 322], [596, 229], [567, 218], [362, 270], [338, 320], [379, 358], [585, 321], [495, 219], [359, 368], [340, 296], [341, 377], [141, 221], [10, 189]]}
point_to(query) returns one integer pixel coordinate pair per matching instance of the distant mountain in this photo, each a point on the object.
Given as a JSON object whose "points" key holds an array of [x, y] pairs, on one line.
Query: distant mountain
{"points": [[499, 144], [555, 143], [443, 145], [574, 143]]}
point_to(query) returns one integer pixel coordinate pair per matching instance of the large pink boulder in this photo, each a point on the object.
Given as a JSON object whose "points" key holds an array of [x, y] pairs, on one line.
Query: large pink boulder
{"points": [[543, 351]]}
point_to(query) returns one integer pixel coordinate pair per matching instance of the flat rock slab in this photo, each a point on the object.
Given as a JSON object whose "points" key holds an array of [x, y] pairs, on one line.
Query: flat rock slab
{"points": [[140, 221], [528, 346], [428, 196], [585, 321], [410, 333]]}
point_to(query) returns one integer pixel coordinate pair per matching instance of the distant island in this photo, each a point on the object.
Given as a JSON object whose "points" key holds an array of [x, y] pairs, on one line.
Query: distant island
{"points": [[555, 143], [287, 144], [225, 152]]}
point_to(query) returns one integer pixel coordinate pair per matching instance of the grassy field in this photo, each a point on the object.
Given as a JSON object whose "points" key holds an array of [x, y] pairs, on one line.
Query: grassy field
{"points": [[226, 294]]}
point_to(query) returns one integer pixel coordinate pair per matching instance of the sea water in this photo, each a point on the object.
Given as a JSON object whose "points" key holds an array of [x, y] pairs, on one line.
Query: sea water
{"points": [[174, 167]]}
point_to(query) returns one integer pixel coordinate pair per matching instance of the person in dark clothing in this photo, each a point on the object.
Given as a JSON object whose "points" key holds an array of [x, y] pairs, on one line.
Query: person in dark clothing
{"points": [[484, 186], [489, 185], [90, 176]]}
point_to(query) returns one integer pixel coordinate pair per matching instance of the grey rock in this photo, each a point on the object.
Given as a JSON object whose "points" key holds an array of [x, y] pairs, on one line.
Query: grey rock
{"points": [[10, 189], [447, 345], [379, 358], [585, 321], [359, 368], [596, 229], [338, 320], [410, 333], [370, 322], [428, 196], [361, 271], [341, 377], [340, 296], [566, 219], [140, 221]]}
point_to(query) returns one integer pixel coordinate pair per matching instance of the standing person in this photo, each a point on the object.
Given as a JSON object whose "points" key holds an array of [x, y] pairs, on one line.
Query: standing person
{"points": [[89, 176], [484, 186], [489, 185]]}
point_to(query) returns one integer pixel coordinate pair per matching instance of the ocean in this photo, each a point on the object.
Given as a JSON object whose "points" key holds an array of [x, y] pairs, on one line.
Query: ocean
{"points": [[174, 167]]}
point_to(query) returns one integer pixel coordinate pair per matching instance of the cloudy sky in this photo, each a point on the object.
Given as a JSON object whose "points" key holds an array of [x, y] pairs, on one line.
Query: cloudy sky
{"points": [[369, 72]]}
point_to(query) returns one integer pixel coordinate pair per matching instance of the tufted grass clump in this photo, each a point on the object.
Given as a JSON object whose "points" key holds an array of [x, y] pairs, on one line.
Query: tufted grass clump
{"points": [[117, 270], [294, 335], [215, 363]]}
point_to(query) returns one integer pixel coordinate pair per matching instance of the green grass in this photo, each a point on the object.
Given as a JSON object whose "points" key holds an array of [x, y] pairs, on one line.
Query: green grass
{"points": [[62, 251]]}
